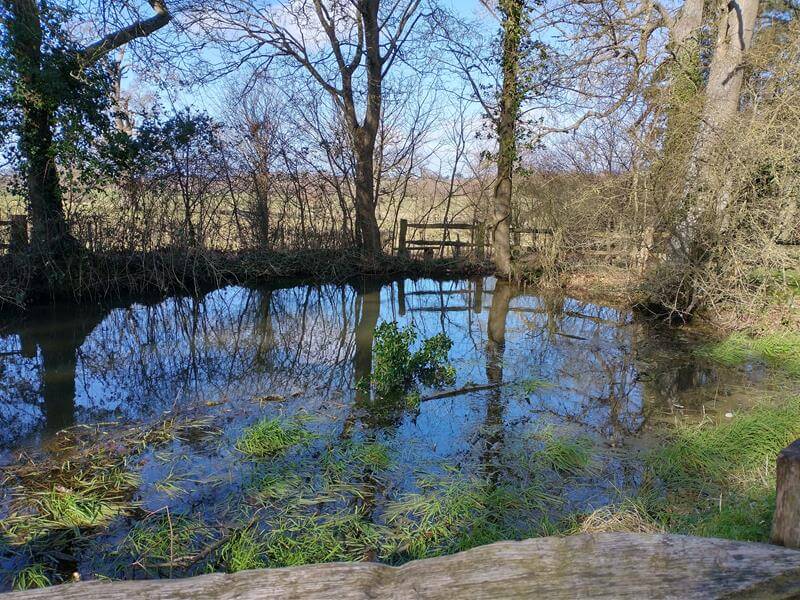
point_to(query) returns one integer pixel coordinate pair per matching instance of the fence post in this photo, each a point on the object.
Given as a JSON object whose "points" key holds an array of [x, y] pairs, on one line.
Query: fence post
{"points": [[457, 248], [786, 521], [401, 296], [401, 242], [480, 239], [18, 234]]}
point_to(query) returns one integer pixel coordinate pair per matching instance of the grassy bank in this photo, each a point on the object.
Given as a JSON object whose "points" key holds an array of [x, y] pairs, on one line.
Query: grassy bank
{"points": [[90, 277], [779, 351]]}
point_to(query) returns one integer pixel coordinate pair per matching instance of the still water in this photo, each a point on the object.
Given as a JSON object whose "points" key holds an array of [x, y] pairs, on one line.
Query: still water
{"points": [[237, 355]]}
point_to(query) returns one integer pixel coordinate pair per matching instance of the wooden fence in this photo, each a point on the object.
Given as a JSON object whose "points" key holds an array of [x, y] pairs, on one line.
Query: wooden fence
{"points": [[478, 238], [17, 233]]}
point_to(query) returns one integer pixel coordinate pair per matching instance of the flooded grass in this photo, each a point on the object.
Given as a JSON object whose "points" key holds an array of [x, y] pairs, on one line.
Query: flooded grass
{"points": [[780, 351], [272, 436], [720, 477], [267, 429]]}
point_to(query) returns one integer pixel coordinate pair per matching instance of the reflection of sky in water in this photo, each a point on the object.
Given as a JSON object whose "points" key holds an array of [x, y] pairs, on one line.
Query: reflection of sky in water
{"points": [[235, 344]]}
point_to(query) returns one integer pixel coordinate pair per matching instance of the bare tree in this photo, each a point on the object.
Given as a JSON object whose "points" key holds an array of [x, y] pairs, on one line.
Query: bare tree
{"points": [[347, 47]]}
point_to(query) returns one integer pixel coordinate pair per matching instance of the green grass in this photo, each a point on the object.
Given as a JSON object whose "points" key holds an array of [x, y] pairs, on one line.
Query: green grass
{"points": [[317, 538], [454, 513], [530, 386], [720, 478], [164, 537], [68, 509], [244, 550], [272, 436], [780, 351], [736, 452], [565, 455], [31, 577]]}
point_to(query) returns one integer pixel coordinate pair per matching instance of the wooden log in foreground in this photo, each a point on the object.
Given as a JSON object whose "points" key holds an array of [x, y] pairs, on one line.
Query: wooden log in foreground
{"points": [[786, 521], [606, 565]]}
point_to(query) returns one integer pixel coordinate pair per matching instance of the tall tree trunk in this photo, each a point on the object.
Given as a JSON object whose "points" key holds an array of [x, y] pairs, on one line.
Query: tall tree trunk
{"points": [[707, 191], [368, 133], [366, 222], [45, 208], [513, 11]]}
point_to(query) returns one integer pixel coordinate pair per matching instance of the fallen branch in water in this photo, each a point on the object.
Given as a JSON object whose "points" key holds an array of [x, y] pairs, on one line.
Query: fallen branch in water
{"points": [[464, 390]]}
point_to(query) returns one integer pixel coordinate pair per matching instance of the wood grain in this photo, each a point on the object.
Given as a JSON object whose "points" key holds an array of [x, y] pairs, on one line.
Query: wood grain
{"points": [[610, 565]]}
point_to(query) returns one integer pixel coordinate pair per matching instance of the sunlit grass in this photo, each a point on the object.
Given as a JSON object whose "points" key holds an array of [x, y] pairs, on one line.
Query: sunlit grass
{"points": [[779, 350], [297, 539], [564, 454], [720, 478], [272, 436], [31, 577], [243, 551], [163, 537]]}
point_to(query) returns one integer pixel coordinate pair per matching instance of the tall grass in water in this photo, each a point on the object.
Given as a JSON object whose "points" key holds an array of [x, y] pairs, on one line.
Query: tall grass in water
{"points": [[720, 478], [779, 350]]}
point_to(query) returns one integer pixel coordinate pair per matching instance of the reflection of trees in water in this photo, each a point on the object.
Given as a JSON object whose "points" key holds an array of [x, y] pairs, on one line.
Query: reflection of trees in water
{"points": [[140, 360], [61, 365], [495, 348]]}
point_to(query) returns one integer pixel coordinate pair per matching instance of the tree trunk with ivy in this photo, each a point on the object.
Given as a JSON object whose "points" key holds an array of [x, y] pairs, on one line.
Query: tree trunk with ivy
{"points": [[42, 187], [36, 78], [513, 12]]}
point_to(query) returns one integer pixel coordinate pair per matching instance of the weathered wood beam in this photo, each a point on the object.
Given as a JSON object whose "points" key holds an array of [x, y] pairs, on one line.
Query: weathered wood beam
{"points": [[786, 521], [610, 565]]}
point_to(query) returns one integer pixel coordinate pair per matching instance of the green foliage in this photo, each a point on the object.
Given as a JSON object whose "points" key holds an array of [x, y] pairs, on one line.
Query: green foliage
{"points": [[243, 551], [76, 96], [396, 367], [272, 436], [779, 350], [31, 577]]}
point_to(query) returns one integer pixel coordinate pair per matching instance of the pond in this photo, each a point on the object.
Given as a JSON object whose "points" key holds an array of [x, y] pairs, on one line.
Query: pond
{"points": [[122, 452]]}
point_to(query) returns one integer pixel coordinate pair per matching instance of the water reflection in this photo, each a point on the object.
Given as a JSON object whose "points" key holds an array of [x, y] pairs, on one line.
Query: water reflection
{"points": [[311, 344]]}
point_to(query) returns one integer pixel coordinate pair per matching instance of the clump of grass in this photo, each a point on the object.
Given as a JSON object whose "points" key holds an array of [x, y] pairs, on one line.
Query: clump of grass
{"points": [[67, 509], [243, 551], [779, 350], [164, 537], [453, 514], [530, 386], [275, 487], [720, 478], [304, 539], [631, 515], [428, 523], [31, 577], [563, 454], [272, 436], [734, 452]]}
